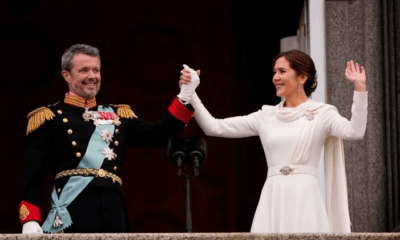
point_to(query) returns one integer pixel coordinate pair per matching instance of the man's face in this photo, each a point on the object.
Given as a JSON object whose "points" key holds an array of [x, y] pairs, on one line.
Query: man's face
{"points": [[84, 78]]}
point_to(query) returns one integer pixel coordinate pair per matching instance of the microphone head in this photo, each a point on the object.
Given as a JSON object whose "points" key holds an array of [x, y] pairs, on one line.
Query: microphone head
{"points": [[176, 149], [196, 147]]}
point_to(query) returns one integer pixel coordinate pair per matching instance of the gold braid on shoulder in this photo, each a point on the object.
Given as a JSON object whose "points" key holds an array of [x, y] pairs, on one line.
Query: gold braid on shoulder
{"points": [[38, 117], [125, 111]]}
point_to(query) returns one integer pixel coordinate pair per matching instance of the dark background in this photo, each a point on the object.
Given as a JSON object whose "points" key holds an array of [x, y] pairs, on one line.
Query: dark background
{"points": [[143, 45]]}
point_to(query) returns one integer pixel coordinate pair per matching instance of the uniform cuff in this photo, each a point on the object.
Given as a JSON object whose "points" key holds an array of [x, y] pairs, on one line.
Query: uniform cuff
{"points": [[29, 212], [180, 112]]}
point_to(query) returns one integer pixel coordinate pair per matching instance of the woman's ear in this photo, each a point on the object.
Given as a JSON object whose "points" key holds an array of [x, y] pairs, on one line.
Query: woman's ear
{"points": [[303, 78]]}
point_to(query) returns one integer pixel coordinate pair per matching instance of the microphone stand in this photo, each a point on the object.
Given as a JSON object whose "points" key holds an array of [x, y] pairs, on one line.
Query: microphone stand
{"points": [[188, 212], [195, 172], [187, 177]]}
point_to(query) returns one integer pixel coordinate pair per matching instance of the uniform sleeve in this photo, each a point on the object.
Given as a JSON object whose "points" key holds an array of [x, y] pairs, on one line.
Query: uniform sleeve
{"points": [[147, 134], [340, 127], [234, 127], [39, 145]]}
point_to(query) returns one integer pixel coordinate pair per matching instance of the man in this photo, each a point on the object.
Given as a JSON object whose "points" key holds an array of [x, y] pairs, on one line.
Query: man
{"points": [[82, 141]]}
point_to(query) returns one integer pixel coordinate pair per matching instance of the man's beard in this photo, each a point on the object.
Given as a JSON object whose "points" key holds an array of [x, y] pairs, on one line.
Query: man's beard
{"points": [[81, 92]]}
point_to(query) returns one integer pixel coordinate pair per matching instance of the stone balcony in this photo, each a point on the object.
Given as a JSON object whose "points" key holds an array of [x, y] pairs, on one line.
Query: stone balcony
{"points": [[204, 236]]}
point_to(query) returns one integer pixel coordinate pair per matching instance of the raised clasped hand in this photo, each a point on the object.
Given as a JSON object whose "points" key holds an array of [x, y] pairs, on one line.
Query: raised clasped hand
{"points": [[356, 75], [186, 77], [188, 82]]}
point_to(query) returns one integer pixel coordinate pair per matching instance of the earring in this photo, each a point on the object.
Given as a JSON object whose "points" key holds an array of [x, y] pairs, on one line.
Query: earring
{"points": [[299, 90]]}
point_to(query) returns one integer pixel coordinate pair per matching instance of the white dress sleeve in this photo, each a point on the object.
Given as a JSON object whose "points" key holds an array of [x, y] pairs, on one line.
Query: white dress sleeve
{"points": [[340, 127], [234, 127]]}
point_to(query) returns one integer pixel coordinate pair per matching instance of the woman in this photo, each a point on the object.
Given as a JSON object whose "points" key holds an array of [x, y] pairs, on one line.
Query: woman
{"points": [[293, 134]]}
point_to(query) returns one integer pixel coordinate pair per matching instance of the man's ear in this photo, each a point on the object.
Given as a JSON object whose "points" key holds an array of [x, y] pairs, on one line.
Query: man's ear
{"points": [[66, 75]]}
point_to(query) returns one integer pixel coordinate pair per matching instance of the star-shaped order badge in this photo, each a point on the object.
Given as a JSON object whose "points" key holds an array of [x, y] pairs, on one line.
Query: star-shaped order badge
{"points": [[109, 153], [106, 135]]}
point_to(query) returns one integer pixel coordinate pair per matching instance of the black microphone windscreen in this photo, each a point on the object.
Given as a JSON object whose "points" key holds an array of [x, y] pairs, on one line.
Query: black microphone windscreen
{"points": [[176, 149], [196, 145], [175, 144]]}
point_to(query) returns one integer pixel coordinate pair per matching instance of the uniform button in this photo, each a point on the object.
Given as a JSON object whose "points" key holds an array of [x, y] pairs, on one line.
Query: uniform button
{"points": [[116, 143], [69, 131], [59, 112], [115, 155], [78, 154], [59, 190], [73, 143], [115, 168], [65, 120], [117, 130]]}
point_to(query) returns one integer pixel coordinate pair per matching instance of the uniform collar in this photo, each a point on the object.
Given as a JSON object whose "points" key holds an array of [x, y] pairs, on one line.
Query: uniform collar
{"points": [[78, 101]]}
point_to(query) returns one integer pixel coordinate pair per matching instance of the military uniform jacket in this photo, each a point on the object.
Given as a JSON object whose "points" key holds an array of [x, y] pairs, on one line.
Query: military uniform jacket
{"points": [[58, 137]]}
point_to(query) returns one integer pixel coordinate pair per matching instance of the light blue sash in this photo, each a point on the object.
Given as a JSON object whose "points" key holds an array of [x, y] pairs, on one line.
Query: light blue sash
{"points": [[93, 158]]}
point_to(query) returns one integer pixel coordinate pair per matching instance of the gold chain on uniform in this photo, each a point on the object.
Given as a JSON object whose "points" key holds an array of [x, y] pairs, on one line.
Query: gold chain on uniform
{"points": [[89, 172]]}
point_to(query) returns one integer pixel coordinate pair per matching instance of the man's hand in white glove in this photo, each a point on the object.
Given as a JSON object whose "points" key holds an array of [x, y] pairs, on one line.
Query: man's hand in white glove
{"points": [[189, 81], [31, 227]]}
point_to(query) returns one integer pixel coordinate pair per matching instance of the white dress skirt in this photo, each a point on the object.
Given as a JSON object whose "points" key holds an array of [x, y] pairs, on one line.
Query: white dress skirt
{"points": [[292, 137], [291, 204]]}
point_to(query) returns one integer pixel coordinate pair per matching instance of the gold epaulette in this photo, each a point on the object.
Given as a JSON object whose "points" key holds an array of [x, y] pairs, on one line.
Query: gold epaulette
{"points": [[38, 117], [125, 111]]}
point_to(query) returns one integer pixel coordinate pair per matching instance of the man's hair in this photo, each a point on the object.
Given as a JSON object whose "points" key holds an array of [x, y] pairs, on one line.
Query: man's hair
{"points": [[66, 60]]}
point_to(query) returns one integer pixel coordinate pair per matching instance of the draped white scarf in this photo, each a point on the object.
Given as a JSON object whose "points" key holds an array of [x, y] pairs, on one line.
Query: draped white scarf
{"points": [[335, 175]]}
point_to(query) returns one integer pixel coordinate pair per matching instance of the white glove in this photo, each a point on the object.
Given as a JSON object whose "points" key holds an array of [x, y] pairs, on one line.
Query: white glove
{"points": [[31, 227], [187, 90]]}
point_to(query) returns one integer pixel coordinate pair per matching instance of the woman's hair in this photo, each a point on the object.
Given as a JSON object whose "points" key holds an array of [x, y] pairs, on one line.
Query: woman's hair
{"points": [[302, 64]]}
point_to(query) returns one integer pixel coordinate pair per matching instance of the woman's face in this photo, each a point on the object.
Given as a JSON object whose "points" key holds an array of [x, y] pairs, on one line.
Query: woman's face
{"points": [[285, 78]]}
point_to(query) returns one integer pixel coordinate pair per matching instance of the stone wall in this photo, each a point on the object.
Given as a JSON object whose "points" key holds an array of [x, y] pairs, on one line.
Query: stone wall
{"points": [[354, 32]]}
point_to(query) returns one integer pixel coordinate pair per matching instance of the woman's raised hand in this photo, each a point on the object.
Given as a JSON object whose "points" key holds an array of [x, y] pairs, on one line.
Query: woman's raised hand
{"points": [[356, 75], [185, 76], [191, 80]]}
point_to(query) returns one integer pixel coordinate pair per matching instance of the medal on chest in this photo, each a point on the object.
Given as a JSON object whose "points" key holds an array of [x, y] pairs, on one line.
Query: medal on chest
{"points": [[101, 118]]}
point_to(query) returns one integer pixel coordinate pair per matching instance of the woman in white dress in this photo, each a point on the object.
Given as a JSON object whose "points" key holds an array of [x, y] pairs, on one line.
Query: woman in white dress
{"points": [[293, 134]]}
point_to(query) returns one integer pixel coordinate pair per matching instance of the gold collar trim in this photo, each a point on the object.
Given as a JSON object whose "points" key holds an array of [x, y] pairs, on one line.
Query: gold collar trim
{"points": [[78, 101]]}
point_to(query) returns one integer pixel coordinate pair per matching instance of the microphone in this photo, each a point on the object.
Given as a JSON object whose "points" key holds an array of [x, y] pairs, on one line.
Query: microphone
{"points": [[177, 150], [176, 153], [197, 150]]}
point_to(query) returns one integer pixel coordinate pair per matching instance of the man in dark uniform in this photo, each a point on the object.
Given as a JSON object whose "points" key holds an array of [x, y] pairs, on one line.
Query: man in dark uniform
{"points": [[83, 142]]}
